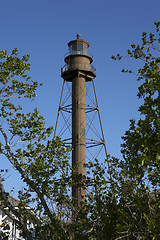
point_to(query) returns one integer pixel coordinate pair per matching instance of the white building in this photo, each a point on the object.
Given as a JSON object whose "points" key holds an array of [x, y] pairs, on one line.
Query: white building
{"points": [[9, 220]]}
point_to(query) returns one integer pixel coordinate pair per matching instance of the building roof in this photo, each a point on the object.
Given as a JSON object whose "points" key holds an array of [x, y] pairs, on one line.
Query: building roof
{"points": [[13, 201]]}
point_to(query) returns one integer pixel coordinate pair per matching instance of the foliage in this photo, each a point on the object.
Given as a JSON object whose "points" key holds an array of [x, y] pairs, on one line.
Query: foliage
{"points": [[39, 158], [139, 178]]}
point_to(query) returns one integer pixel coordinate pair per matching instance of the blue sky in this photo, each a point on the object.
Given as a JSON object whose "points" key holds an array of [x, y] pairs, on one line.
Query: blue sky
{"points": [[43, 29]]}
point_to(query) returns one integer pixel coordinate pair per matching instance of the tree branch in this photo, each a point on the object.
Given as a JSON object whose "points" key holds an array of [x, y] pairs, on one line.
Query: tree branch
{"points": [[28, 181]]}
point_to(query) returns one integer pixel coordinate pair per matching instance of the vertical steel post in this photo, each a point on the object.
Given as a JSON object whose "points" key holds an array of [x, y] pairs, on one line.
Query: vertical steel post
{"points": [[78, 134], [59, 110]]}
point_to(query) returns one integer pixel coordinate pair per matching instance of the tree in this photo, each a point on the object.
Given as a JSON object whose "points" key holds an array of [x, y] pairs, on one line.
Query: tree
{"points": [[41, 157], [139, 178]]}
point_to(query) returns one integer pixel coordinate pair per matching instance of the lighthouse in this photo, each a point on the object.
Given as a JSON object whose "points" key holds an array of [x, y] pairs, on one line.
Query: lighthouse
{"points": [[77, 72]]}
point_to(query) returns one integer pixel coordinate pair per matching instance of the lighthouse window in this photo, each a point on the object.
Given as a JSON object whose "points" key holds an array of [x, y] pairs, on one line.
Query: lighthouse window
{"points": [[78, 48], [85, 49], [73, 47]]}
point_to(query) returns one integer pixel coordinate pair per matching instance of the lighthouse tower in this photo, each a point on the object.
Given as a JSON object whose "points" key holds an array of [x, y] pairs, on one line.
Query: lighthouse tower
{"points": [[77, 73]]}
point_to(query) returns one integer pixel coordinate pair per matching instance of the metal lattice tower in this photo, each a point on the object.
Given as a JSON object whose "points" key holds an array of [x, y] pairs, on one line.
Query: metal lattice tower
{"points": [[78, 121]]}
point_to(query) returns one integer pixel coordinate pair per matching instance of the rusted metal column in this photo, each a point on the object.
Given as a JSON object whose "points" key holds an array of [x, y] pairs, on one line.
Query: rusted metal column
{"points": [[79, 136]]}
